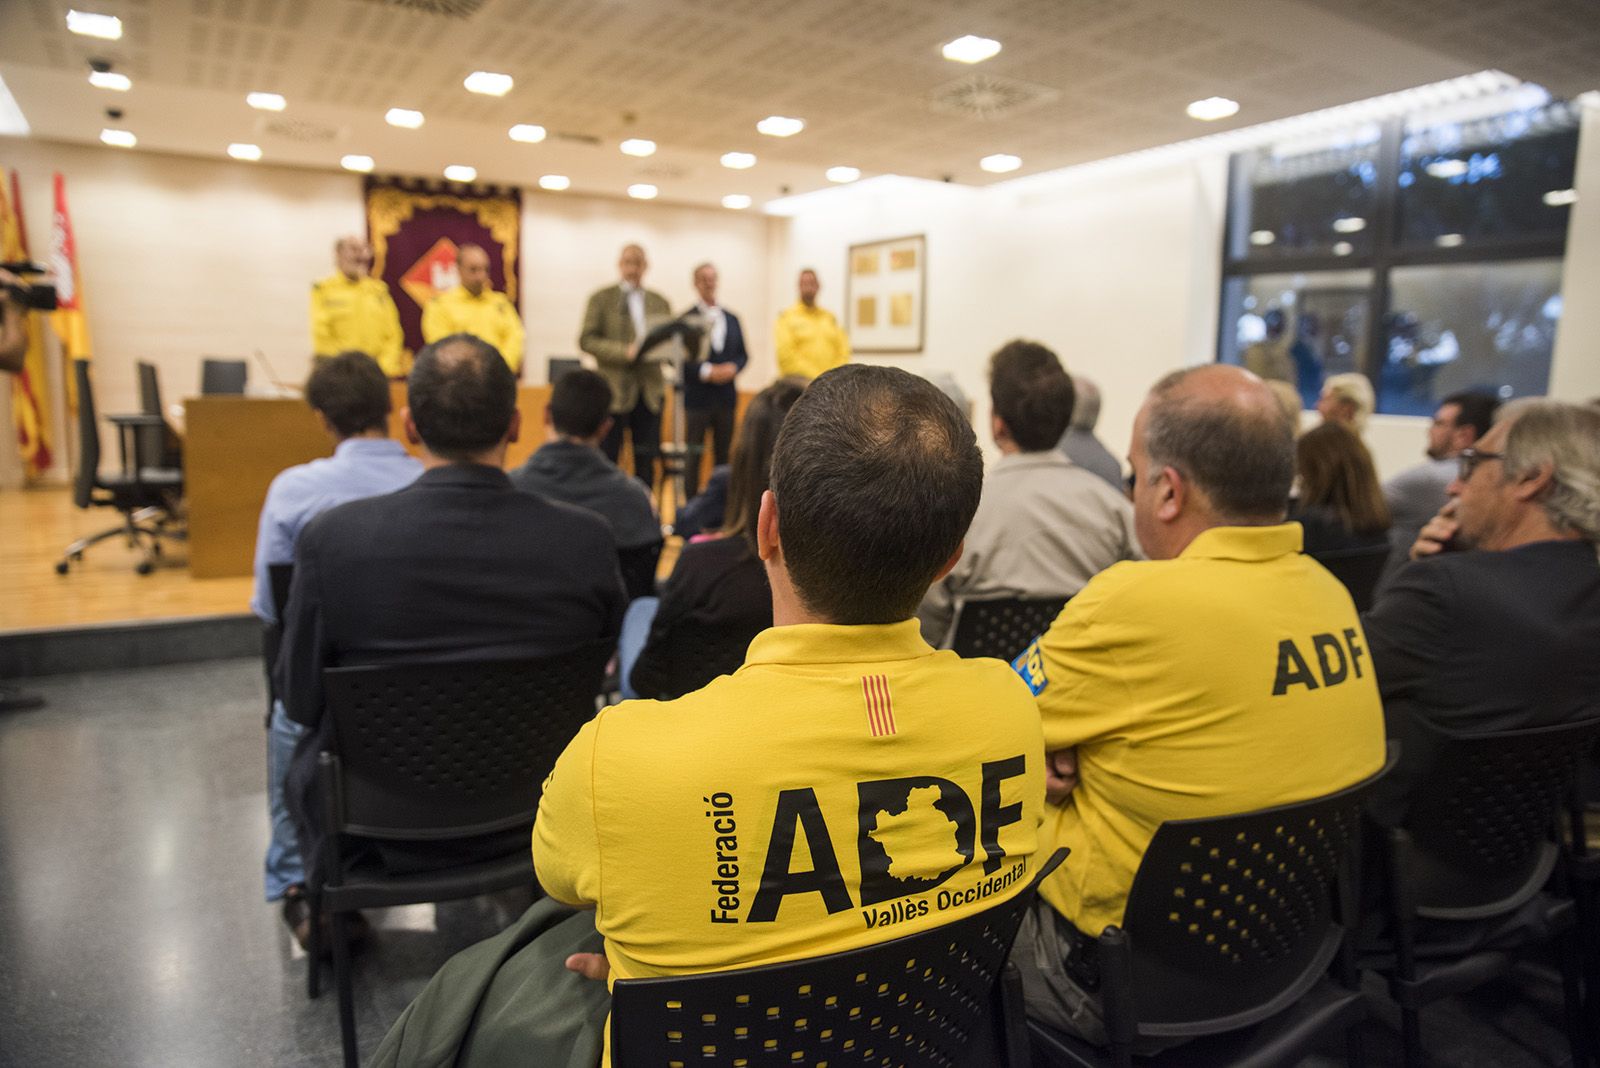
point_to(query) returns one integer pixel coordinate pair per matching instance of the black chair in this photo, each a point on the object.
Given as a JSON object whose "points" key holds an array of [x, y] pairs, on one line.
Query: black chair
{"points": [[1003, 628], [1358, 569], [435, 754], [1478, 845], [1230, 930], [943, 997], [147, 495], [279, 579], [695, 656], [159, 441], [223, 377], [639, 569], [1585, 876]]}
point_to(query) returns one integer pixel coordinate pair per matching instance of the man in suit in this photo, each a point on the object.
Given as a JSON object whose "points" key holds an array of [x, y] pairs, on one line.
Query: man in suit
{"points": [[457, 566], [615, 322], [709, 397], [1495, 624]]}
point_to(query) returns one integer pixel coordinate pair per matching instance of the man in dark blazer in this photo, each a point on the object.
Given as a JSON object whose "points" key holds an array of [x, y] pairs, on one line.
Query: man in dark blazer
{"points": [[459, 565], [616, 320], [1504, 633], [709, 396]]}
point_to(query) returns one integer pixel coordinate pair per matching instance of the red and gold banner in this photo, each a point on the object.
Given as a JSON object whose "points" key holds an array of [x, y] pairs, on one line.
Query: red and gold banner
{"points": [[70, 324], [416, 227], [30, 388]]}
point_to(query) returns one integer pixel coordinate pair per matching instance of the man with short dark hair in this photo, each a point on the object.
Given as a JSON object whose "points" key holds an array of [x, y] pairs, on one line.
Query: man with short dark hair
{"points": [[1079, 442], [350, 394], [1227, 673], [1045, 526], [456, 566]]}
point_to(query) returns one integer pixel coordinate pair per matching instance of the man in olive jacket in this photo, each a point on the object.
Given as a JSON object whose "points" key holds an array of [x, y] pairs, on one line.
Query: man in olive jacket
{"points": [[617, 318]]}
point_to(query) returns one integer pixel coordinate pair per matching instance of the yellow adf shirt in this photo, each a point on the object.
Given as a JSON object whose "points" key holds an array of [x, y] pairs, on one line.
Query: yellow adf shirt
{"points": [[356, 314], [847, 785], [809, 341], [1232, 678], [490, 315]]}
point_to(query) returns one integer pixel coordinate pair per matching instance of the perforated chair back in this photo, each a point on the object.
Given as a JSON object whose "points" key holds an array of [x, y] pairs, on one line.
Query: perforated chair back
{"points": [[84, 480], [1231, 918], [1358, 569], [451, 750], [1483, 811], [926, 999], [221, 377], [1003, 628]]}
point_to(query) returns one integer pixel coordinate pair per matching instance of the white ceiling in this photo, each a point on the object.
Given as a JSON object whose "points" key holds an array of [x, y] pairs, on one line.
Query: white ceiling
{"points": [[1091, 78]]}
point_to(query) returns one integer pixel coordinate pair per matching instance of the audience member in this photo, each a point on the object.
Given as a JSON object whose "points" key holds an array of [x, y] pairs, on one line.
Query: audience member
{"points": [[475, 307], [350, 395], [570, 467], [457, 566], [717, 595], [808, 338], [615, 321], [1045, 526], [1347, 399], [353, 312], [705, 511], [709, 397], [831, 762], [1079, 442], [1416, 494], [1340, 505], [1495, 625], [1227, 673]]}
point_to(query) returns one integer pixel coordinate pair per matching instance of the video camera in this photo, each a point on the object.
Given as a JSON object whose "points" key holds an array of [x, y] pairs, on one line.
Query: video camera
{"points": [[37, 296]]}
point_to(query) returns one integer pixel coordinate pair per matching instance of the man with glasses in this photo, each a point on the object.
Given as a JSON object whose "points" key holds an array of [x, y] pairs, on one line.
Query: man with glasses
{"points": [[1495, 624]]}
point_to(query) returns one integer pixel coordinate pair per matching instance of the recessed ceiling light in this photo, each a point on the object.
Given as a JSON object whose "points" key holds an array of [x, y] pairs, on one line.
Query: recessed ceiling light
{"points": [[460, 172], [266, 101], [637, 146], [527, 133], [1000, 163], [1350, 224], [1343, 248], [738, 161], [970, 49], [404, 117], [1560, 198], [1213, 108], [363, 164], [1262, 237], [488, 83], [1448, 240], [843, 174], [736, 201], [554, 182], [239, 150], [87, 23], [780, 126], [119, 138], [643, 191], [110, 79], [1447, 168]]}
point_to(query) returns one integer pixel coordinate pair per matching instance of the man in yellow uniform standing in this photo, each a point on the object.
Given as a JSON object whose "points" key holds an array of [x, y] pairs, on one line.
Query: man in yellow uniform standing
{"points": [[352, 311], [474, 308], [808, 338]]}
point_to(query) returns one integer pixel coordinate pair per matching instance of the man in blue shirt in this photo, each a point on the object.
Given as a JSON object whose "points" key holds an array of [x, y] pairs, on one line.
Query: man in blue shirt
{"points": [[350, 395]]}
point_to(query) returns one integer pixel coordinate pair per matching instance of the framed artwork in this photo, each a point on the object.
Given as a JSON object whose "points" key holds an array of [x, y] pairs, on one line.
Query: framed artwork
{"points": [[885, 295]]}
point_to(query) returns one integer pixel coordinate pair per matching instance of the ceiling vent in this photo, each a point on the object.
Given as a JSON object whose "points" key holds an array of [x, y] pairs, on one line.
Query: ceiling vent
{"points": [[450, 9], [662, 171], [576, 138], [300, 130], [984, 96]]}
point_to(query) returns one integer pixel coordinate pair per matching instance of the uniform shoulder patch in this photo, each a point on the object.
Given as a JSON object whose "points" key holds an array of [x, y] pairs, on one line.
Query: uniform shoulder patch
{"points": [[1030, 665]]}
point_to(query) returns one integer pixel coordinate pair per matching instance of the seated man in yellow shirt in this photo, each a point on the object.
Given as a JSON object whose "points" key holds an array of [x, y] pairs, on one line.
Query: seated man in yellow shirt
{"points": [[474, 308], [1225, 674], [848, 784], [808, 338], [352, 312]]}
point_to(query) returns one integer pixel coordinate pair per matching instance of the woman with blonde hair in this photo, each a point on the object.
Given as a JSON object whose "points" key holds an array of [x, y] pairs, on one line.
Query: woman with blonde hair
{"points": [[1347, 399]]}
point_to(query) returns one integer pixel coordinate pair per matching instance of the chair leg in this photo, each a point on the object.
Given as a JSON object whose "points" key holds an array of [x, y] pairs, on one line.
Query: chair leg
{"points": [[341, 975], [1572, 996], [77, 548], [1411, 1037], [314, 949]]}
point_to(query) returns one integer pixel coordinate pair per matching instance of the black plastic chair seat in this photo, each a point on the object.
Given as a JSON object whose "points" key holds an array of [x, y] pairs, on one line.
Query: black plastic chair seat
{"points": [[370, 887], [148, 477]]}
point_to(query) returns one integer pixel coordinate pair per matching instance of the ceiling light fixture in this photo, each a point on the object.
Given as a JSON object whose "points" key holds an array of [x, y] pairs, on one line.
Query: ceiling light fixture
{"points": [[643, 191], [266, 101], [1262, 237], [487, 83], [359, 164], [1448, 240], [738, 161], [780, 126], [1447, 168], [118, 138], [1350, 224], [1000, 163], [249, 153], [88, 24], [970, 49], [107, 79], [1560, 198], [403, 117], [1213, 108], [638, 146], [554, 182], [527, 133], [460, 172], [843, 174], [736, 201]]}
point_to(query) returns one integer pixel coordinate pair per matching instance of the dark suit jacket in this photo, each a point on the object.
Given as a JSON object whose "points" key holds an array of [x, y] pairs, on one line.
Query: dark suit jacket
{"points": [[699, 394], [457, 566], [1485, 641]]}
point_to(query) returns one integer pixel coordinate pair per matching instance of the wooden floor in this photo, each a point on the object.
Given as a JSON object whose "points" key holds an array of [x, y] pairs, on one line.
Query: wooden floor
{"points": [[36, 524]]}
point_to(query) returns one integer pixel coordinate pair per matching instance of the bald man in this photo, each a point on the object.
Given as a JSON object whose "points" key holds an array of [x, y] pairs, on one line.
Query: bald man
{"points": [[475, 307], [352, 312], [1225, 674], [616, 319]]}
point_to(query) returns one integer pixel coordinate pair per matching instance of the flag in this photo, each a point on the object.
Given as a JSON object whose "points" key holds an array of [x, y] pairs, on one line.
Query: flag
{"points": [[68, 319], [29, 390]]}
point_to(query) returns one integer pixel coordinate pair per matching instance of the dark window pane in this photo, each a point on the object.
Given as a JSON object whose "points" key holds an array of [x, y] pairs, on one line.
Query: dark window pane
{"points": [[1298, 328], [1487, 326], [1305, 199]]}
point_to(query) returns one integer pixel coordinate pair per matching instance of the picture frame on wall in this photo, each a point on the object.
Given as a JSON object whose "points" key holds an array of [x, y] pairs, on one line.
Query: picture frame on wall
{"points": [[886, 287]]}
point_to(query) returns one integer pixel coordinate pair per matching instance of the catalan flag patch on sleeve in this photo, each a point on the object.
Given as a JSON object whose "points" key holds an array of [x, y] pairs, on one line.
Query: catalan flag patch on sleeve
{"points": [[1030, 665]]}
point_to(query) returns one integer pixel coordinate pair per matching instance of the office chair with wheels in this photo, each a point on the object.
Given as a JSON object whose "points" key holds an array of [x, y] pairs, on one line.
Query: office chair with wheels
{"points": [[1002, 628], [1358, 569], [158, 441], [147, 495]]}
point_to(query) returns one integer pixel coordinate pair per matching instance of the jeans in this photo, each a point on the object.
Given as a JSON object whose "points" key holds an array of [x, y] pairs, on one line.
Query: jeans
{"points": [[284, 867], [635, 630]]}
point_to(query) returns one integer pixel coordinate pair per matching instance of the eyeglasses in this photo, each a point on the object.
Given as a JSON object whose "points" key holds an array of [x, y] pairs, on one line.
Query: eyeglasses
{"points": [[1469, 459]]}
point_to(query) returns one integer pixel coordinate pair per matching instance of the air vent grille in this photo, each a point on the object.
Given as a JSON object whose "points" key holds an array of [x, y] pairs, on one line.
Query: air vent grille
{"points": [[984, 96], [450, 9], [299, 130]]}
